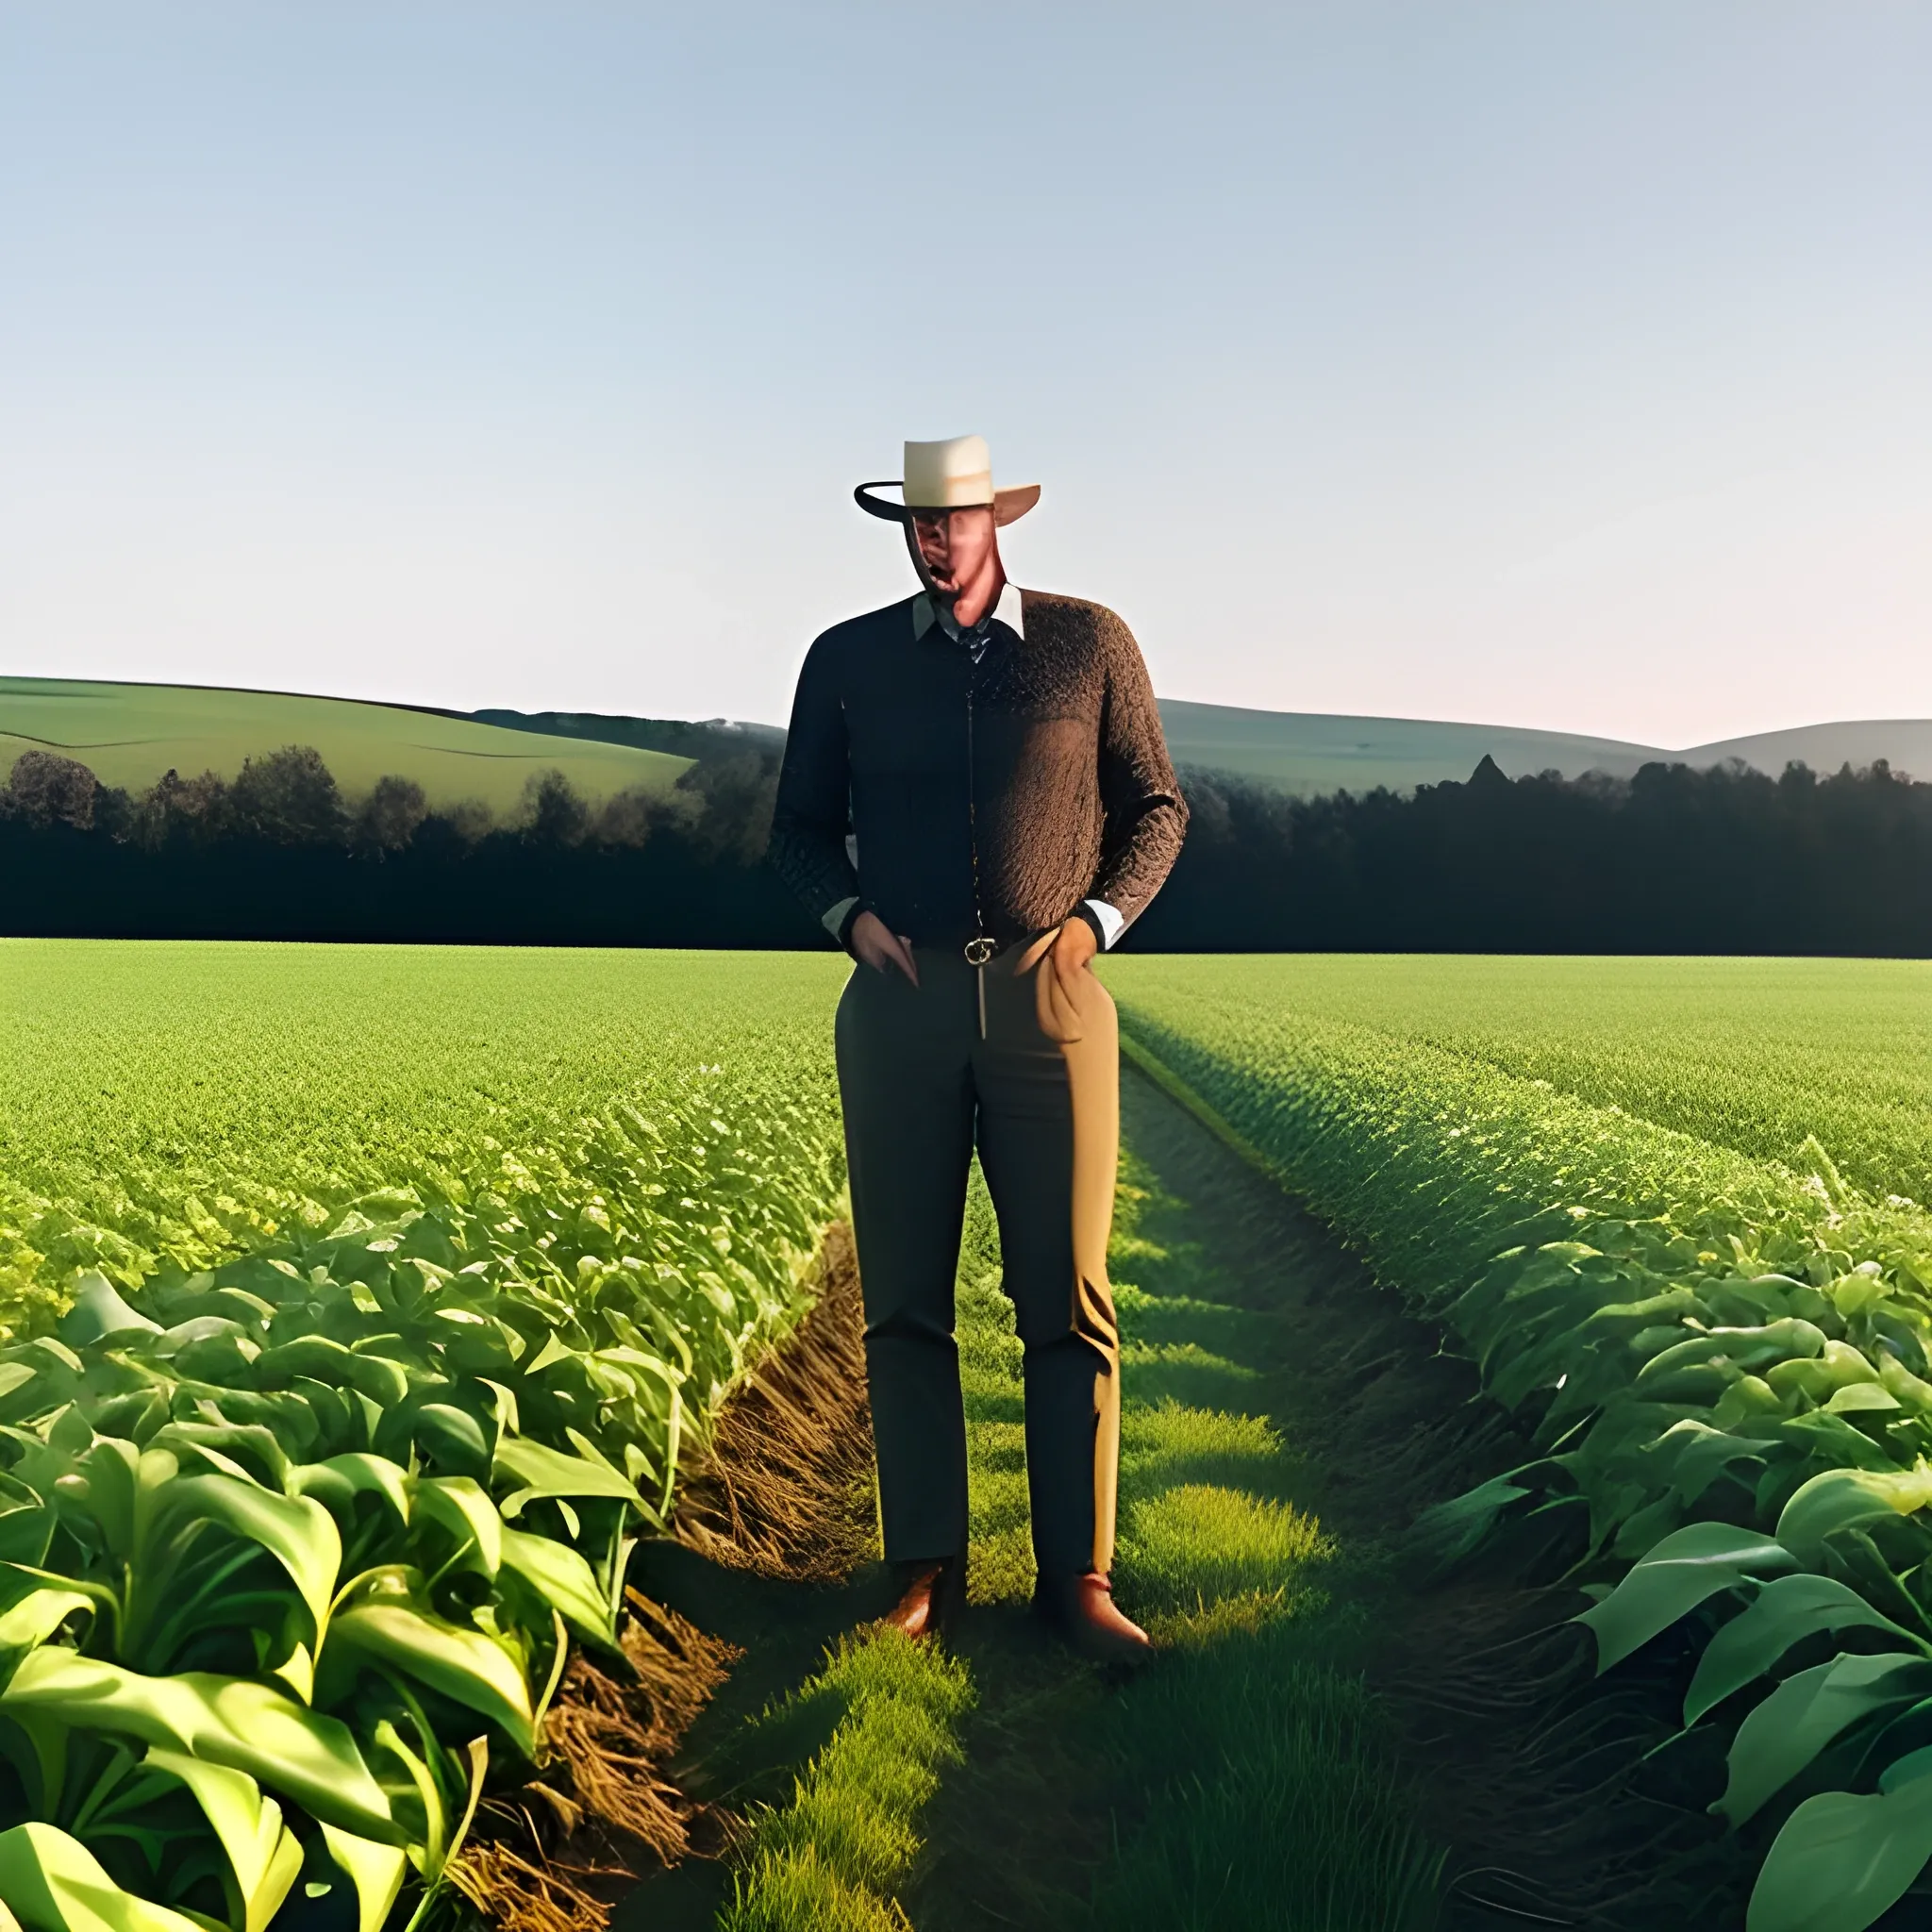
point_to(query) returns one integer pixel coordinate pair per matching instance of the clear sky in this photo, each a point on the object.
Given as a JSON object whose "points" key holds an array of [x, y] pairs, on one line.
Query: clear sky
{"points": [[1538, 361]]}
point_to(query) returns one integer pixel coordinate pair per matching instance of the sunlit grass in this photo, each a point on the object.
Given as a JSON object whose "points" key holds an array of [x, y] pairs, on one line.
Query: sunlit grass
{"points": [[1267, 1779], [827, 1861], [1196, 1543], [1166, 1442], [1250, 1775]]}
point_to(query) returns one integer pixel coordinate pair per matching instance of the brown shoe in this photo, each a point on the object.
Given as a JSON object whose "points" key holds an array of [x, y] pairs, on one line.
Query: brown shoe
{"points": [[1081, 1611], [931, 1596]]}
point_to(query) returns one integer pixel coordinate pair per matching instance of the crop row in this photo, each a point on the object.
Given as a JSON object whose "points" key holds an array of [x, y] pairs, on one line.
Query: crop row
{"points": [[1754, 1055], [1725, 1361], [176, 1104], [302, 1511]]}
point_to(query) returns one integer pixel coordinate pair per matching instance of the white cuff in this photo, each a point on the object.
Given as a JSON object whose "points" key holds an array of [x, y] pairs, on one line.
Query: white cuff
{"points": [[836, 917], [1110, 922]]}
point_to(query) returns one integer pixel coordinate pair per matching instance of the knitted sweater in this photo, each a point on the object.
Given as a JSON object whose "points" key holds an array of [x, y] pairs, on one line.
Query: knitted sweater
{"points": [[1045, 753]]}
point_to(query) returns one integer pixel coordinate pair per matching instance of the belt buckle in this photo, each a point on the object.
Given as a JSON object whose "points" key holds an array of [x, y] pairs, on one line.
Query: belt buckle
{"points": [[979, 950]]}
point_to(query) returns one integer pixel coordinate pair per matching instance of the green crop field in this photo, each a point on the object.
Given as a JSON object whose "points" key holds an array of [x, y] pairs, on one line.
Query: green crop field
{"points": [[130, 734], [1609, 1181], [188, 1102], [360, 1303], [430, 1259], [1754, 1055]]}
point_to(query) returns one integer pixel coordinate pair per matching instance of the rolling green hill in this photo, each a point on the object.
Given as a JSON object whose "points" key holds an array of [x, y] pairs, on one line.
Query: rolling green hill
{"points": [[1905, 744], [1312, 753], [130, 734]]}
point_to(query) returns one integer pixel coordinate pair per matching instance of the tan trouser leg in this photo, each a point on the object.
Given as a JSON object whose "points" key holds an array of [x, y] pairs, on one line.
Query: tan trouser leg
{"points": [[1086, 1027]]}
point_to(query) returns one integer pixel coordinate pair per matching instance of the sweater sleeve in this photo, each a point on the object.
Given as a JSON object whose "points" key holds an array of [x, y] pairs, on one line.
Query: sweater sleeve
{"points": [[1145, 816], [813, 812]]}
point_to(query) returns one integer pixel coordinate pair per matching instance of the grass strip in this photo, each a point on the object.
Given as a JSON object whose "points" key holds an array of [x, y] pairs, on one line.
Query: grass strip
{"points": [[1248, 1777], [828, 1861], [1265, 1768], [1278, 1799], [1185, 1097]]}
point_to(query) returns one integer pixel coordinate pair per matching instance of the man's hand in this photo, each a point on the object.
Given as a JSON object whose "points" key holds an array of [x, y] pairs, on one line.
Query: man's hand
{"points": [[1057, 994], [878, 946], [1074, 947]]}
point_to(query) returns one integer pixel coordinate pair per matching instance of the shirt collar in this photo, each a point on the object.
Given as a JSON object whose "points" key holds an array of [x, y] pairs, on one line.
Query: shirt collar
{"points": [[1009, 609]]}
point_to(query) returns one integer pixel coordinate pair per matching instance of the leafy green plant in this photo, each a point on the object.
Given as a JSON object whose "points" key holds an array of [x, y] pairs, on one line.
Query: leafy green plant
{"points": [[212, 1645], [1726, 1361], [176, 1106], [310, 1491]]}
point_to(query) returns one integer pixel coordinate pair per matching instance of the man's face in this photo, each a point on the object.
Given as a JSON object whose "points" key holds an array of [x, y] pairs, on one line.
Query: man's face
{"points": [[950, 547]]}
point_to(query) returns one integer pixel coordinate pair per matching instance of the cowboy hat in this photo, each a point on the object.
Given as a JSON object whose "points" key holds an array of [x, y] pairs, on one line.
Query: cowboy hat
{"points": [[956, 473]]}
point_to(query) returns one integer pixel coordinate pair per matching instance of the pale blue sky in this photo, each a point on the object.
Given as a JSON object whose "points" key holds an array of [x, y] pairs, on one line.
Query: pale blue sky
{"points": [[1540, 361]]}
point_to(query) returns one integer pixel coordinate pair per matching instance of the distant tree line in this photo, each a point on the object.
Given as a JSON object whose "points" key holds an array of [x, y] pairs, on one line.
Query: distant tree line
{"points": [[278, 852], [1671, 860]]}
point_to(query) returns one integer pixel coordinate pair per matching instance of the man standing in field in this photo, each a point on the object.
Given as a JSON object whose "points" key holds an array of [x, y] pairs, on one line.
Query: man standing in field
{"points": [[976, 798]]}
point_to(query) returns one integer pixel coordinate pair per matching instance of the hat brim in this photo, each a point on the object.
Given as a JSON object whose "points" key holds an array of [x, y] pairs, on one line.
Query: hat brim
{"points": [[1007, 506]]}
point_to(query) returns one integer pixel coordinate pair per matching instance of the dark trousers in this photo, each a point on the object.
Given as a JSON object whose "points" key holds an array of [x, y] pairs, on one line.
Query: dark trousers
{"points": [[1039, 1091]]}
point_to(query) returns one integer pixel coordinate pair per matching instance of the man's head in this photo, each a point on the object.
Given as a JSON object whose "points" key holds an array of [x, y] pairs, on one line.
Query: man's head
{"points": [[952, 549], [952, 515]]}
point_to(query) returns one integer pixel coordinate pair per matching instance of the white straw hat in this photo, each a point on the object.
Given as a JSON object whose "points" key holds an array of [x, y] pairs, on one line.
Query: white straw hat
{"points": [[956, 473]]}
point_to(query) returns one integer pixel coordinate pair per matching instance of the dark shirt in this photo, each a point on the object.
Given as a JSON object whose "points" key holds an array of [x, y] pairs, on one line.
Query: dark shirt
{"points": [[1044, 752]]}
